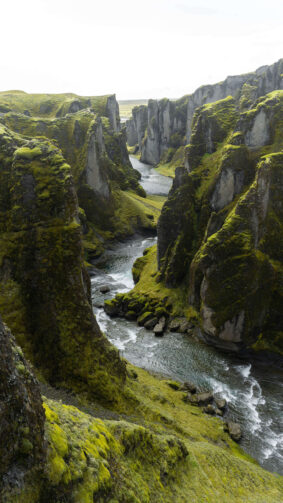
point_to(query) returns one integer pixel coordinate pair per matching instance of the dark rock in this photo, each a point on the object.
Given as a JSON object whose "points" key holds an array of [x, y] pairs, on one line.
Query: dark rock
{"points": [[131, 315], [201, 399], [150, 324], [209, 409], [189, 386], [99, 305], [143, 318], [22, 445], [104, 289], [174, 325], [234, 430], [219, 412], [111, 308], [221, 403]]}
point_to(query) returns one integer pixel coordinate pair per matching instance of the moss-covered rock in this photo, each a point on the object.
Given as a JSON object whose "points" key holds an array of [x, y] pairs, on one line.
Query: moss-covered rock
{"points": [[45, 294], [88, 132], [162, 127], [22, 444], [219, 233]]}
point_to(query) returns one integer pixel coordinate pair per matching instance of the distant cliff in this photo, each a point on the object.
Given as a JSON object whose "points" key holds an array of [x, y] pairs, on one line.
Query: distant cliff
{"points": [[165, 124]]}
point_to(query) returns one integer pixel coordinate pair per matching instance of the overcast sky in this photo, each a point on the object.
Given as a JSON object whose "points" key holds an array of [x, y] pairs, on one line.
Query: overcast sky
{"points": [[134, 48]]}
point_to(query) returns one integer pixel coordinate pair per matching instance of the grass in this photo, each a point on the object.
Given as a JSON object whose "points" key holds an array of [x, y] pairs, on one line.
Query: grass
{"points": [[126, 106]]}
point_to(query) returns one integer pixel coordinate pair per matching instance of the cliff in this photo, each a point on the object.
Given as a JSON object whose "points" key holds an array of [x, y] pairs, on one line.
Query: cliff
{"points": [[110, 434], [166, 124], [44, 287], [229, 224], [88, 132], [218, 262], [23, 447]]}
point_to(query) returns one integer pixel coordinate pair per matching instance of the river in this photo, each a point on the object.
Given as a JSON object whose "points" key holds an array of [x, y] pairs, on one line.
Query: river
{"points": [[254, 392]]}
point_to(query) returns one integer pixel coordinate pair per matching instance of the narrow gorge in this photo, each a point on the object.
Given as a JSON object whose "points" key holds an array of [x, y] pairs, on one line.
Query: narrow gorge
{"points": [[141, 314]]}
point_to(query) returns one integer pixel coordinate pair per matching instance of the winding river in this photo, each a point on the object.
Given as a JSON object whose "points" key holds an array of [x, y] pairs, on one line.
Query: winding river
{"points": [[254, 392]]}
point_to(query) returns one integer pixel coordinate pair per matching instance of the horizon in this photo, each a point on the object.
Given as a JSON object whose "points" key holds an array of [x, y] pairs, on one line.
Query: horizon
{"points": [[162, 49]]}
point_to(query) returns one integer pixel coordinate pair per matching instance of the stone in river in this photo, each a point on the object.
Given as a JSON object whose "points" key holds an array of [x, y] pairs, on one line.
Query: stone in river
{"points": [[234, 430], [160, 327], [104, 289]]}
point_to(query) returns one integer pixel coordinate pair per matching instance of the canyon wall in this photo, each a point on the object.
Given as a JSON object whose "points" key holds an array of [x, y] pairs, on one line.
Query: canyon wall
{"points": [[166, 124]]}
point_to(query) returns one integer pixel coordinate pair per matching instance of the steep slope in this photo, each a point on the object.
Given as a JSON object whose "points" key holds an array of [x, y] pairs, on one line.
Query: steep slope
{"points": [[160, 450], [219, 255], [231, 234], [23, 448], [165, 125], [44, 288], [88, 132]]}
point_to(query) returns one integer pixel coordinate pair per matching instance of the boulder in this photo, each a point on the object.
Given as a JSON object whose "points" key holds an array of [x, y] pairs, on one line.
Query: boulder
{"points": [[131, 315], [220, 403], [189, 386], [104, 289], [150, 324], [143, 318], [111, 308], [160, 327], [234, 430], [185, 325], [200, 399], [209, 409], [219, 412], [174, 325]]}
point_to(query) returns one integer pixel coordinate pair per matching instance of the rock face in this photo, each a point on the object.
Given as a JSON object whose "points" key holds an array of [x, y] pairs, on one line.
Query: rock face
{"points": [[88, 132], [220, 230], [168, 124], [44, 287], [22, 445]]}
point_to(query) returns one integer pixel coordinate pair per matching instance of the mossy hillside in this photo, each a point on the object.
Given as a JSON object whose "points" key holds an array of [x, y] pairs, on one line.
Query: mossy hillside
{"points": [[171, 160], [151, 297], [211, 124], [198, 207], [44, 286], [247, 263], [51, 105], [73, 134], [162, 450], [126, 106]]}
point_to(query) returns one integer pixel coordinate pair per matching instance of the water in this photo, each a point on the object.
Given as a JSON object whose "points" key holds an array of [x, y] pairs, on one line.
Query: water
{"points": [[151, 180], [254, 392]]}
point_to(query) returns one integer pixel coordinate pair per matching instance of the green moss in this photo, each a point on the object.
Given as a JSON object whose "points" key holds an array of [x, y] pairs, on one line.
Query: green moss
{"points": [[28, 153]]}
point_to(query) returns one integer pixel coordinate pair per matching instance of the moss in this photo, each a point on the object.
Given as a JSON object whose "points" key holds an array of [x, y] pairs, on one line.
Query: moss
{"points": [[43, 282], [167, 451], [211, 125], [171, 160], [28, 153]]}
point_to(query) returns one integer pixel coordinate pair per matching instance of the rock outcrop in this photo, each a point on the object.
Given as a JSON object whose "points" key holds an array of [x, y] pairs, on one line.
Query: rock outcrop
{"points": [[22, 443], [44, 287], [88, 132], [168, 124], [221, 227]]}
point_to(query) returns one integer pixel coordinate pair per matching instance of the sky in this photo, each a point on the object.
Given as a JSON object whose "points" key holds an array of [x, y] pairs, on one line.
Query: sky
{"points": [[134, 48]]}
